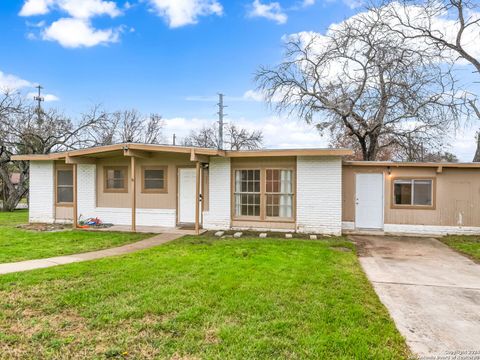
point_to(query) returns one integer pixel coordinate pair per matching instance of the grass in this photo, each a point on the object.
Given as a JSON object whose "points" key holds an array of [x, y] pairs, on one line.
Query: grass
{"points": [[466, 244], [19, 244], [201, 298]]}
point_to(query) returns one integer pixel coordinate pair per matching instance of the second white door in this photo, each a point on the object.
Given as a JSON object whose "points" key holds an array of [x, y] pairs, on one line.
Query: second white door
{"points": [[369, 201], [186, 195]]}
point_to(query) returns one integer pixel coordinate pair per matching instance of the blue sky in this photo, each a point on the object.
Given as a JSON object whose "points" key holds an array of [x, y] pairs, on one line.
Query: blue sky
{"points": [[164, 56]]}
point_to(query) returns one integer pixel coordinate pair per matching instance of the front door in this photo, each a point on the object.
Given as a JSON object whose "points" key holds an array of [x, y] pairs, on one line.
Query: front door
{"points": [[186, 195], [369, 201]]}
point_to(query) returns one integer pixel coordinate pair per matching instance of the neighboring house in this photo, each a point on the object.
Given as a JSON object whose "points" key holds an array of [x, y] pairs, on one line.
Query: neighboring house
{"points": [[303, 190]]}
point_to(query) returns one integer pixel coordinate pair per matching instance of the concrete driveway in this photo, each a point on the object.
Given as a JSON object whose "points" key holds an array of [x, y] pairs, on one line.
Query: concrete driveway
{"points": [[431, 292]]}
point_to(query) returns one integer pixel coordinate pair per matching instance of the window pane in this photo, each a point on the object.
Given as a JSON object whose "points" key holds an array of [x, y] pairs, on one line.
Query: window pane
{"points": [[153, 174], [65, 177], [153, 184], [116, 179], [65, 194], [422, 192], [402, 192]]}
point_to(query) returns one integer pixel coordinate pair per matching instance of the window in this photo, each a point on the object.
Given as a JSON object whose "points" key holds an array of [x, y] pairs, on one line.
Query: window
{"points": [[247, 193], [264, 194], [116, 179], [64, 186], [413, 192], [154, 179], [279, 195]]}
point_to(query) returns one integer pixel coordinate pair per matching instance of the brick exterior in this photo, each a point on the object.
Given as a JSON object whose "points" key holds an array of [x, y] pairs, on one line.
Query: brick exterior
{"points": [[218, 216], [42, 196], [319, 195]]}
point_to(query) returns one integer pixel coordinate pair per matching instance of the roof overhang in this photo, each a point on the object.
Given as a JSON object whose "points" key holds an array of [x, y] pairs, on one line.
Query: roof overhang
{"points": [[393, 164], [196, 153]]}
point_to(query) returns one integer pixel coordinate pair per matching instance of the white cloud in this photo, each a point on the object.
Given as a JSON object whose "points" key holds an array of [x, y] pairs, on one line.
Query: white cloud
{"points": [[12, 83], [83, 9], [272, 11], [35, 7], [73, 33], [179, 13], [308, 2], [46, 97]]}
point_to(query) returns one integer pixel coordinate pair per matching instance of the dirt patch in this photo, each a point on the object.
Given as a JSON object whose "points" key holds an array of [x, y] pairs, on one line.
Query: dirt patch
{"points": [[361, 245], [45, 227], [272, 234]]}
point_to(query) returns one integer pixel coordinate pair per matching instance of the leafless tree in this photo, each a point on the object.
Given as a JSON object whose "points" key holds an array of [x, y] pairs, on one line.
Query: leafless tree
{"points": [[25, 130], [123, 126], [364, 81], [235, 138], [451, 28]]}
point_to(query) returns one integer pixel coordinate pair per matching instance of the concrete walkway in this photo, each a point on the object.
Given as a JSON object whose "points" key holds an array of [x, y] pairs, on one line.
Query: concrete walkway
{"points": [[67, 259], [431, 292]]}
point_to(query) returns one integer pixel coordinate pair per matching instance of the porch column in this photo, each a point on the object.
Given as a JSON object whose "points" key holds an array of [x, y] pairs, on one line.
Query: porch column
{"points": [[75, 193], [197, 198], [133, 194]]}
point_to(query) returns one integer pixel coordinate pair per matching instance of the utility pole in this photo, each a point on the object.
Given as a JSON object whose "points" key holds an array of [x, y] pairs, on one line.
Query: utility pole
{"points": [[39, 98], [174, 138], [221, 115]]}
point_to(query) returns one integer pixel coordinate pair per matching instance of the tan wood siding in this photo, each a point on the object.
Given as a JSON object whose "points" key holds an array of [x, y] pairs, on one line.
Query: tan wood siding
{"points": [[166, 200], [457, 196]]}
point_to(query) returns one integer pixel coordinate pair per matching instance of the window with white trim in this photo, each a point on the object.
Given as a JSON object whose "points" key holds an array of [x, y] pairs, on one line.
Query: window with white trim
{"points": [[247, 192], [413, 192]]}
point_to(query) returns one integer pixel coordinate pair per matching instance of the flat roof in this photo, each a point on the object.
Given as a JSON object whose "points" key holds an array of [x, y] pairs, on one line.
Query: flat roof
{"points": [[99, 150], [412, 164]]}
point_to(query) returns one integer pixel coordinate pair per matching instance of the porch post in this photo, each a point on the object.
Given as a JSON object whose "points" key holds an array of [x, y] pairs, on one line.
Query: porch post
{"points": [[133, 194], [197, 198], [75, 195]]}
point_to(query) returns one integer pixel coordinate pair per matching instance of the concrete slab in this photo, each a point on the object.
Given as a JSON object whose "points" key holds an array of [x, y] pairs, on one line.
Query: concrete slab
{"points": [[431, 292], [92, 255]]}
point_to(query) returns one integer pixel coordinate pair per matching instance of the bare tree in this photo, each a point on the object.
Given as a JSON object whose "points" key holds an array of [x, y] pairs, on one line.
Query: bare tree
{"points": [[123, 126], [25, 130], [236, 138], [451, 28], [364, 81]]}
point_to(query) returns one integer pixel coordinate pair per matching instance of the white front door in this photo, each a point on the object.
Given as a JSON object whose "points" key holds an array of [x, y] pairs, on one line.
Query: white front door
{"points": [[369, 201], [186, 195]]}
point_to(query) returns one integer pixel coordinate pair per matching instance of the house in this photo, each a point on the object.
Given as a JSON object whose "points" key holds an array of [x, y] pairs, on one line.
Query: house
{"points": [[302, 190]]}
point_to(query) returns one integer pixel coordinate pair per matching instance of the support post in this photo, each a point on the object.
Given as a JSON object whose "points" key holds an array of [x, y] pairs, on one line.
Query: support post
{"points": [[197, 198], [133, 194], [75, 197]]}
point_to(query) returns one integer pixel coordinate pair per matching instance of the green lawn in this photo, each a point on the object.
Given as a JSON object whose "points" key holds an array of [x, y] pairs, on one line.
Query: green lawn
{"points": [[469, 245], [201, 298], [19, 244]]}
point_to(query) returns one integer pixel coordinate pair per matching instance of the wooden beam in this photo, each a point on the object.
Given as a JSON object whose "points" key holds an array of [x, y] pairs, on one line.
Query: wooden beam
{"points": [[197, 157], [197, 198], [439, 169], [137, 153], [133, 194], [80, 160], [75, 197]]}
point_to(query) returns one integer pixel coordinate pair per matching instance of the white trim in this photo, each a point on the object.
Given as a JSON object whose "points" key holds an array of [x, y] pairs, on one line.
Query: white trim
{"points": [[348, 225], [431, 229]]}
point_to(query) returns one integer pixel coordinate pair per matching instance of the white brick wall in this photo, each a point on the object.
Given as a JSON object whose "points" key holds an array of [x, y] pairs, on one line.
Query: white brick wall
{"points": [[86, 190], [42, 196], [118, 216], [218, 216], [319, 195]]}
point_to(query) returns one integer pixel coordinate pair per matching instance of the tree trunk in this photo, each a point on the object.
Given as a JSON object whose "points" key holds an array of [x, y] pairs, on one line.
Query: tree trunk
{"points": [[476, 158]]}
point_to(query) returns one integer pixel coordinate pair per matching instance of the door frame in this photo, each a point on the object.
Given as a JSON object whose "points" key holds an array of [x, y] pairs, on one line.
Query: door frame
{"points": [[383, 197], [177, 215]]}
